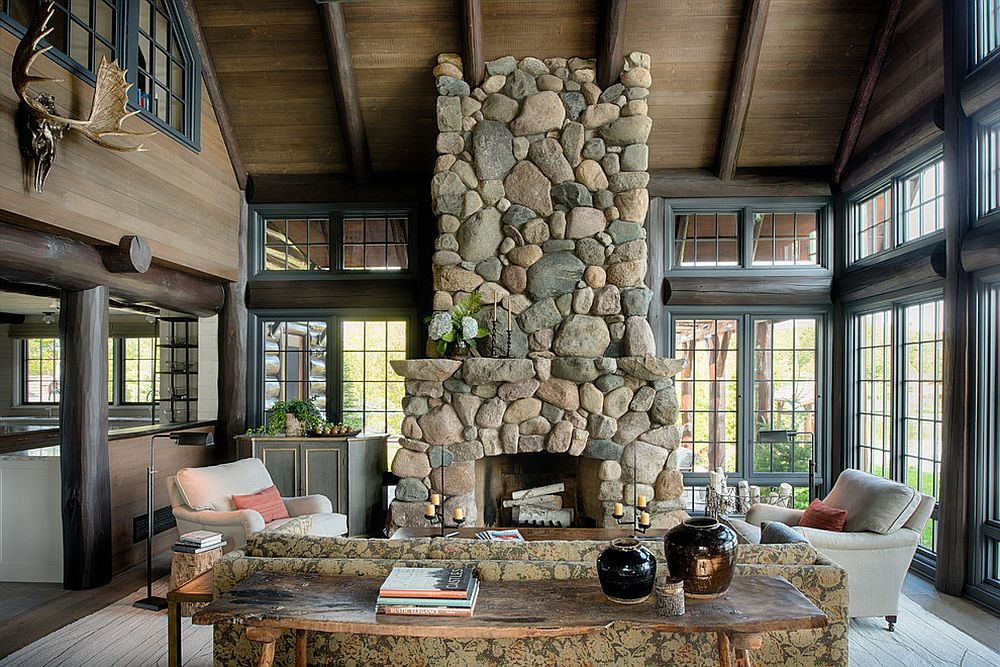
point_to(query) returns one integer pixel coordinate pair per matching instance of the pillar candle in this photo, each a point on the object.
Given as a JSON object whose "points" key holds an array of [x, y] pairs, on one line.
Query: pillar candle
{"points": [[494, 308], [644, 519], [430, 510], [459, 514], [619, 509], [641, 501], [435, 498]]}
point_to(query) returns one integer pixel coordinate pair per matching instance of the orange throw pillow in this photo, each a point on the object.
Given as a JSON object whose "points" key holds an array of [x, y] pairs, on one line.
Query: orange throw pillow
{"points": [[267, 502], [823, 516]]}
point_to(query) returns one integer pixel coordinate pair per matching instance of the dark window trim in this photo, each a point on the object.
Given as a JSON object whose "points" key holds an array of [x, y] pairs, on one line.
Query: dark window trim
{"points": [[22, 376], [119, 384]]}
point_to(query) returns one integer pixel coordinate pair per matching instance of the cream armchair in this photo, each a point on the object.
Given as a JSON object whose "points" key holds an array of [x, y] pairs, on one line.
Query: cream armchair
{"points": [[202, 499], [884, 523]]}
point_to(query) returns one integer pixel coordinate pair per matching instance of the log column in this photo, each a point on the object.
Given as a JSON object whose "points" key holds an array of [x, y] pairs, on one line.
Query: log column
{"points": [[83, 439], [233, 354]]}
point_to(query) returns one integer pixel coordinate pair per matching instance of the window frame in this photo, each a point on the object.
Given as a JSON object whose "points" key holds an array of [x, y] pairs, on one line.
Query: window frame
{"points": [[119, 372], [979, 42], [746, 208], [127, 50], [746, 316], [22, 374], [336, 214], [892, 178]]}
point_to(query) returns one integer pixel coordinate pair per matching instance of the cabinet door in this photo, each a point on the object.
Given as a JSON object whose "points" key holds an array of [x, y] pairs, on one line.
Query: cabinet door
{"points": [[282, 462], [323, 469]]}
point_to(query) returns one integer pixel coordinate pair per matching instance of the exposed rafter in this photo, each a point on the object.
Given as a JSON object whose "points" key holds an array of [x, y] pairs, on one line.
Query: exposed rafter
{"points": [[744, 73], [474, 57], [352, 124], [866, 86], [611, 41], [215, 94]]}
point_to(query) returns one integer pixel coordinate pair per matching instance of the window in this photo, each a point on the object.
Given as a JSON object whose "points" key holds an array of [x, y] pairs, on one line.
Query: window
{"points": [[706, 239], [138, 362], [731, 390], [296, 244], [372, 393], [156, 53], [294, 358], [896, 395], [41, 364], [988, 160], [785, 238], [377, 243], [909, 207], [988, 28]]}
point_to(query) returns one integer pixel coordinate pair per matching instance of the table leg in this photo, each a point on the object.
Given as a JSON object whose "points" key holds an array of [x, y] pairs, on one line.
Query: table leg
{"points": [[300, 648], [174, 634], [266, 637], [743, 657], [743, 644], [725, 660]]}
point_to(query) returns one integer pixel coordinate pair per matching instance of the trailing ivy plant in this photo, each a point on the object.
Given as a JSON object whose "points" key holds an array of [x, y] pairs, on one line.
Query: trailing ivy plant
{"points": [[304, 410], [458, 327]]}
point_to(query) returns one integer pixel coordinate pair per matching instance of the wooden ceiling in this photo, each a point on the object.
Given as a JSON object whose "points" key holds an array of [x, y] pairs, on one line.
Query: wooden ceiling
{"points": [[272, 71]]}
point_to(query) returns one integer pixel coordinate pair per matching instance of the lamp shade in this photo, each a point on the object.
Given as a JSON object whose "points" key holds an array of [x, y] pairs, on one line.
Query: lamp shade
{"points": [[192, 438], [775, 436]]}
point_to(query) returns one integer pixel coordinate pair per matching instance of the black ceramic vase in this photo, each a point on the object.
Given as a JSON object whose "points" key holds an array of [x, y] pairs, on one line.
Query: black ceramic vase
{"points": [[702, 552], [627, 571]]}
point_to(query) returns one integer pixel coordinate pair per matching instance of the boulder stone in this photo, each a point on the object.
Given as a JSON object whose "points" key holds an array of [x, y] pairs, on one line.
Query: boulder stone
{"points": [[449, 114], [411, 490], [492, 147], [582, 336], [639, 341], [467, 450], [590, 174], [514, 278], [590, 251], [635, 302], [501, 66], [435, 370], [631, 426], [424, 388], [611, 490], [628, 180], [531, 443], [522, 409], [553, 275], [627, 274], [668, 437], [415, 405], [540, 113], [617, 401], [626, 130], [665, 407], [542, 315], [643, 399], [635, 157], [479, 370], [479, 237], [601, 426], [498, 108], [440, 456], [583, 221], [512, 391], [607, 301], [414, 445], [560, 438], [525, 255], [651, 368], [598, 115], [449, 85], [466, 406], [609, 382], [537, 425], [490, 438], [632, 204], [669, 485], [572, 142], [648, 462], [570, 194], [454, 480], [561, 393], [604, 450], [591, 398], [519, 85], [583, 300], [408, 463], [549, 82], [528, 186], [441, 425], [630, 491], [547, 154], [637, 76], [455, 279], [609, 470], [575, 369], [509, 436], [574, 102], [490, 414]]}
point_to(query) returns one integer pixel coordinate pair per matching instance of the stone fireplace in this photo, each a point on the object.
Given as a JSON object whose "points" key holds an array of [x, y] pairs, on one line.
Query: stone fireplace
{"points": [[540, 193]]}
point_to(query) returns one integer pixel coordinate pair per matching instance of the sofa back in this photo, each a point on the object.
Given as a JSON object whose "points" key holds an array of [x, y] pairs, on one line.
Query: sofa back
{"points": [[213, 487]]}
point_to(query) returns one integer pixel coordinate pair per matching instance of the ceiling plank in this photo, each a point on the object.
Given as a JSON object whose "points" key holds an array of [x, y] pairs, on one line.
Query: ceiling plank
{"points": [[744, 73], [685, 183], [352, 123], [611, 41], [211, 80], [474, 60], [866, 85]]}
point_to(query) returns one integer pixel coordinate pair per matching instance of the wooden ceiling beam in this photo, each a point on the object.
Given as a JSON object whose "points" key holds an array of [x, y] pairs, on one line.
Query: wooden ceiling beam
{"points": [[211, 80], [611, 41], [744, 73], [352, 123], [866, 85], [474, 57]]}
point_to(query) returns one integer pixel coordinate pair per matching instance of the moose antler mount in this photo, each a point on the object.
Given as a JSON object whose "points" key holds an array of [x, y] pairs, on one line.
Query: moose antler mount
{"points": [[40, 128]]}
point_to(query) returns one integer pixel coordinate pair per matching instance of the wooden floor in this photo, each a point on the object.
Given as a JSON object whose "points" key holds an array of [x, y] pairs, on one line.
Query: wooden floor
{"points": [[974, 621]]}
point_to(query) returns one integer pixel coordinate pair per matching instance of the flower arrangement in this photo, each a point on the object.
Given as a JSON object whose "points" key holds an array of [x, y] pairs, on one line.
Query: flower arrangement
{"points": [[456, 331]]}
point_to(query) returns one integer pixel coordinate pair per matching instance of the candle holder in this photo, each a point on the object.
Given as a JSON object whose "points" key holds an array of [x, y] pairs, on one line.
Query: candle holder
{"points": [[640, 520], [437, 516]]}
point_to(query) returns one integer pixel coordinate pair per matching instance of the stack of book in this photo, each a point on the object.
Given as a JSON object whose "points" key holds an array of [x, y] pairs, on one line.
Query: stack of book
{"points": [[509, 535], [199, 541], [423, 591]]}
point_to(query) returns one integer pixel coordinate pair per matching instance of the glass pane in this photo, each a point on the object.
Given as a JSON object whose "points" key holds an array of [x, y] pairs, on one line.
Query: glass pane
{"points": [[375, 243], [872, 224], [301, 244], [177, 114], [372, 392], [79, 43], [294, 363], [104, 22]]}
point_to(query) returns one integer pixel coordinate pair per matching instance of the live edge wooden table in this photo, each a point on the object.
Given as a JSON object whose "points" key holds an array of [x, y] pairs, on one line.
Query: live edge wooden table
{"points": [[270, 603], [198, 589]]}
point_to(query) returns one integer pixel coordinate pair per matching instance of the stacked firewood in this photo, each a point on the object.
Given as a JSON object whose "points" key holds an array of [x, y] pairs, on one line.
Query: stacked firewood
{"points": [[540, 506]]}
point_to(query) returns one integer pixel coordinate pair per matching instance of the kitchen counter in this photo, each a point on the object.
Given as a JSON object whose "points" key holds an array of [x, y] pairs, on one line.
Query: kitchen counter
{"points": [[46, 437]]}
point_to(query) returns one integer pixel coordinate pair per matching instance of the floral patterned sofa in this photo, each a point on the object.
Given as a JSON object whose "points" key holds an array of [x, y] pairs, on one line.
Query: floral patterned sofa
{"points": [[818, 578]]}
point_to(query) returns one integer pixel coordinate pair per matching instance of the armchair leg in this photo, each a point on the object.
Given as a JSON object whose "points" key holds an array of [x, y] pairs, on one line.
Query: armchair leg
{"points": [[891, 620]]}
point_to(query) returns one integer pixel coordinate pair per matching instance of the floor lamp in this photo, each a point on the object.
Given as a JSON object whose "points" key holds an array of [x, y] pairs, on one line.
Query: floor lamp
{"points": [[782, 436], [183, 438]]}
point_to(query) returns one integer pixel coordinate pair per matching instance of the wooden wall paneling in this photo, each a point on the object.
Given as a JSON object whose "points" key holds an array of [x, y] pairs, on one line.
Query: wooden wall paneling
{"points": [[474, 53], [168, 194], [981, 90], [611, 41], [866, 85], [553, 29], [370, 292], [684, 183], [912, 75], [233, 354], [324, 188], [345, 92], [956, 432], [924, 265], [981, 247], [83, 439], [744, 73], [809, 67], [789, 289], [32, 256]]}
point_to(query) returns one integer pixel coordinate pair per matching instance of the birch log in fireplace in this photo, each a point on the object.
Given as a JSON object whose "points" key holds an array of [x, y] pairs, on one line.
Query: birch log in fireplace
{"points": [[540, 193]]}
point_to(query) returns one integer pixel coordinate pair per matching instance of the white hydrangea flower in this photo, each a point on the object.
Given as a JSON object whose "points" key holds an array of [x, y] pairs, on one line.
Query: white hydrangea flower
{"points": [[439, 326], [470, 327]]}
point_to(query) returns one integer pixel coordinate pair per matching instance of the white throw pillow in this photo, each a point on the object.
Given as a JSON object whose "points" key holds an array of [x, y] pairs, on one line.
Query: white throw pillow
{"points": [[213, 487], [873, 504]]}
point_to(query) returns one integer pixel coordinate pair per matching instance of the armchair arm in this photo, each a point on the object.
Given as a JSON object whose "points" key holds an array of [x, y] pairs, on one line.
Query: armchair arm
{"points": [[761, 512], [251, 520], [864, 541], [314, 504]]}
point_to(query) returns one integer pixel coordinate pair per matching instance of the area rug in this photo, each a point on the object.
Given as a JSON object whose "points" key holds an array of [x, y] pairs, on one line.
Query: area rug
{"points": [[120, 635]]}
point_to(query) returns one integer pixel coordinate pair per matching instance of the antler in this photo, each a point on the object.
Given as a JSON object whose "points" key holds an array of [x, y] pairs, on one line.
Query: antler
{"points": [[109, 108]]}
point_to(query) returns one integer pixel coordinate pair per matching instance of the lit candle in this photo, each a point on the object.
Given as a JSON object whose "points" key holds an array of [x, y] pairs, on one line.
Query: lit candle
{"points": [[430, 511], [644, 519], [435, 499], [619, 509], [494, 308], [640, 501], [459, 514]]}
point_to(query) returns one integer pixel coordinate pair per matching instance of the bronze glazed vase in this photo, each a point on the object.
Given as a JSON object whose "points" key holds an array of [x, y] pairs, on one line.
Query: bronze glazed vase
{"points": [[702, 552], [627, 571]]}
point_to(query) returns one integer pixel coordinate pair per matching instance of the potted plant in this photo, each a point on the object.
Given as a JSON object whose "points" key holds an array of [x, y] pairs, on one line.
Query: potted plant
{"points": [[456, 331], [293, 417]]}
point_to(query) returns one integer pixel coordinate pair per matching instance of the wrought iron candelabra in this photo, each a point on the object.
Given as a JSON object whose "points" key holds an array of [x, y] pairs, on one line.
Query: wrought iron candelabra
{"points": [[640, 520]]}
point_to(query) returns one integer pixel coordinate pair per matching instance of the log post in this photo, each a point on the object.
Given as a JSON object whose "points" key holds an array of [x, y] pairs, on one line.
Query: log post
{"points": [[83, 439], [131, 255], [233, 354], [474, 61], [611, 42]]}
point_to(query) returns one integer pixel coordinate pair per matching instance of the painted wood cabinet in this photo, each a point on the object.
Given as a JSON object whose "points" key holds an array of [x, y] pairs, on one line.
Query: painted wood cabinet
{"points": [[348, 471]]}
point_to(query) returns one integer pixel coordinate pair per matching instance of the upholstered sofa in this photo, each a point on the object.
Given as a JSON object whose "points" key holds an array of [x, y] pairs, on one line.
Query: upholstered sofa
{"points": [[820, 580]]}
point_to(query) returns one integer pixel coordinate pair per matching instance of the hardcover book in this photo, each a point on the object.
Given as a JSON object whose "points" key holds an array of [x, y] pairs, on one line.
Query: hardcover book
{"points": [[427, 582], [453, 603], [418, 607]]}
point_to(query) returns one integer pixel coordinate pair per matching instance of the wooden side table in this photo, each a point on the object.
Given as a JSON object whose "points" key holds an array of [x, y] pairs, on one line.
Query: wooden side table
{"points": [[186, 567], [198, 590]]}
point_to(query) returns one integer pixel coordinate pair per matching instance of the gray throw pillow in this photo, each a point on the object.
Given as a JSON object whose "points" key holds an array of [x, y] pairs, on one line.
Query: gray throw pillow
{"points": [[745, 532], [873, 504], [775, 532]]}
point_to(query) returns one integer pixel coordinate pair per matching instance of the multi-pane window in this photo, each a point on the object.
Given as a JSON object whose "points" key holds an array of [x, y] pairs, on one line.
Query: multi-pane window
{"points": [[785, 238], [987, 28], [372, 392], [138, 362], [375, 243], [706, 239], [41, 361], [988, 150], [986, 528], [922, 387], [296, 244], [85, 30], [294, 363], [909, 207], [707, 392], [163, 65], [784, 391], [874, 362]]}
